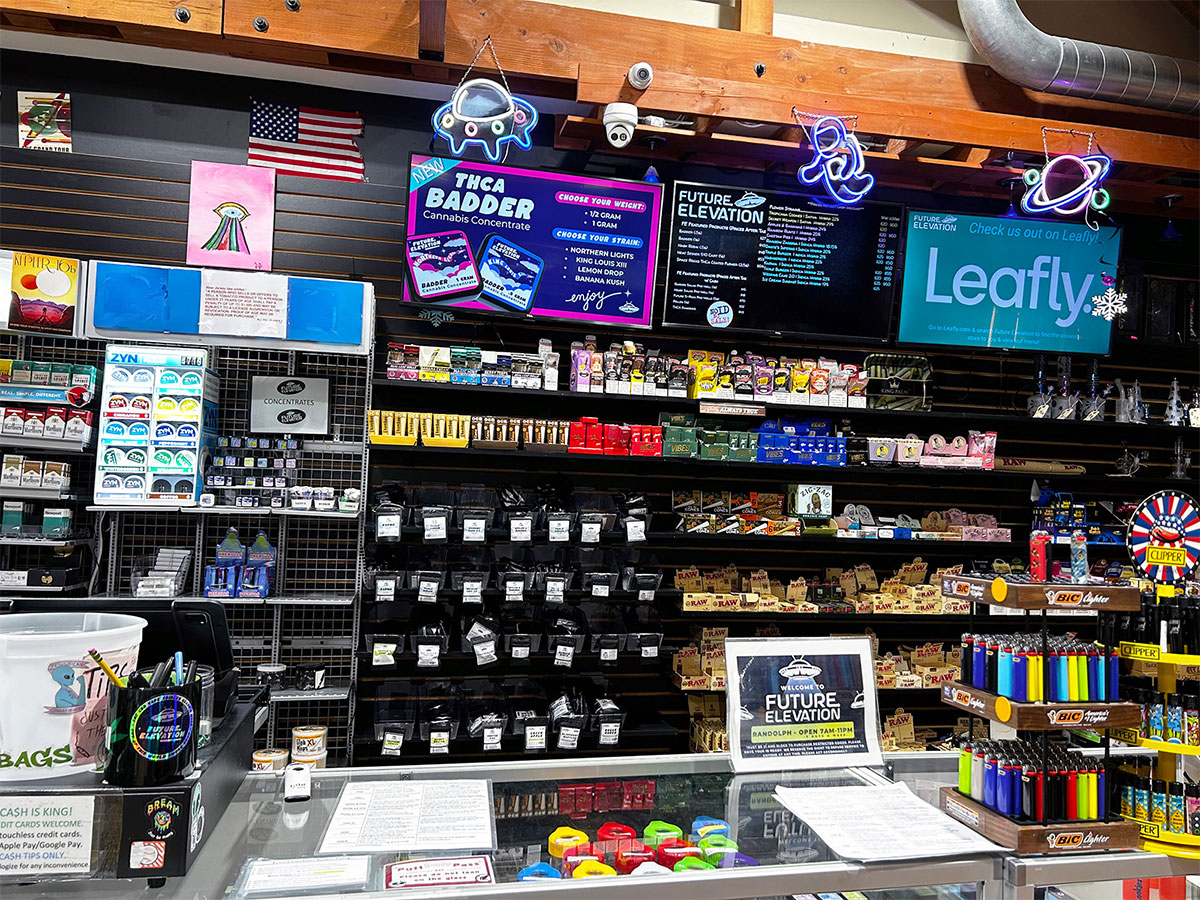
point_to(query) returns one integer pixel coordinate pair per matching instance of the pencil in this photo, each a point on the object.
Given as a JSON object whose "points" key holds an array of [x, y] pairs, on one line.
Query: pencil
{"points": [[106, 668]]}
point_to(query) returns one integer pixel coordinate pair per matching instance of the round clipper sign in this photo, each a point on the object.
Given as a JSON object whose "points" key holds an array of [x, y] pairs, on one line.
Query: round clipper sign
{"points": [[1164, 536], [720, 314]]}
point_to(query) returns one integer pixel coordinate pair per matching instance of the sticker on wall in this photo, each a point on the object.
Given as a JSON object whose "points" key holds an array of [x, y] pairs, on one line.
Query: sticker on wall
{"points": [[44, 121], [231, 216], [1164, 536], [484, 113]]}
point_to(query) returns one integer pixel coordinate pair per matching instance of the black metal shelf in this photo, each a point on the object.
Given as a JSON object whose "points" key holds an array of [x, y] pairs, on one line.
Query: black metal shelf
{"points": [[667, 466], [966, 418], [455, 664]]}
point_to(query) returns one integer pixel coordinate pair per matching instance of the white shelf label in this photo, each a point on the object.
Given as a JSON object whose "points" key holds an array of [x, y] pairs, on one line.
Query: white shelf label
{"points": [[474, 530], [435, 528], [589, 532], [635, 531], [564, 655], [568, 737], [600, 589], [514, 590], [427, 590], [535, 737], [387, 526], [520, 529], [393, 741], [560, 530], [472, 590]]}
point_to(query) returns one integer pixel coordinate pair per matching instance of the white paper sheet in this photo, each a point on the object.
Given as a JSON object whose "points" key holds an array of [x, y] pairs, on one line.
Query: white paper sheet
{"points": [[282, 876], [881, 822], [406, 816]]}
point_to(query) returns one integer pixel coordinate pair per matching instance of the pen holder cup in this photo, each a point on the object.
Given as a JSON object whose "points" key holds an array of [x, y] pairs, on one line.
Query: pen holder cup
{"points": [[152, 734]]}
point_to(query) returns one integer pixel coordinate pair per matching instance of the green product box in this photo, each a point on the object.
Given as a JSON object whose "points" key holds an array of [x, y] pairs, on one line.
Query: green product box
{"points": [[60, 374], [56, 520], [743, 446], [13, 516], [679, 448], [678, 435], [39, 373], [83, 376], [677, 420], [22, 371], [714, 451]]}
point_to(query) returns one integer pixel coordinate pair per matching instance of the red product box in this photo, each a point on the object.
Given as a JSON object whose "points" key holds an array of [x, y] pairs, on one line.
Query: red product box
{"points": [[607, 795], [672, 850], [638, 794], [575, 800], [616, 440], [645, 440], [586, 436]]}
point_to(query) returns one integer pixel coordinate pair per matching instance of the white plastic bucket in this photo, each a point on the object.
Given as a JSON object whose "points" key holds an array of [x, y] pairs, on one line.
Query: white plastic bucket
{"points": [[53, 696]]}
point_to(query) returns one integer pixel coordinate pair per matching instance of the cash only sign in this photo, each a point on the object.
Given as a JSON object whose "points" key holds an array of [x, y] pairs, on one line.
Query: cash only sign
{"points": [[801, 703]]}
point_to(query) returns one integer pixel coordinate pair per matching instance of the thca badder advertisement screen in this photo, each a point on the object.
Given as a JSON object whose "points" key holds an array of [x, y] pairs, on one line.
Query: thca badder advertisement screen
{"points": [[527, 242], [984, 281]]}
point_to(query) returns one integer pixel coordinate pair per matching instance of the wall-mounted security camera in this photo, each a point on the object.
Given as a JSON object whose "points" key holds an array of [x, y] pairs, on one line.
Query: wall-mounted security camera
{"points": [[640, 75], [620, 121]]}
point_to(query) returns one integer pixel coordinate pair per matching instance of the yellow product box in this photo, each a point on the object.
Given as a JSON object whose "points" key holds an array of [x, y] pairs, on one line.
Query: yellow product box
{"points": [[908, 681], [709, 632], [955, 606], [689, 580], [935, 675], [687, 661], [884, 603], [697, 601]]}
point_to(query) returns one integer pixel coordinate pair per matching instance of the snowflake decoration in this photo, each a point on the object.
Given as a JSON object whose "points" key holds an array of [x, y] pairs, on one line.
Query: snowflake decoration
{"points": [[1110, 304], [437, 317]]}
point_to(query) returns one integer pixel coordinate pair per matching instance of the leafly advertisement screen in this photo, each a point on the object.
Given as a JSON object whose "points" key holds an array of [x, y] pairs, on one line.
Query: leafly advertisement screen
{"points": [[775, 262], [527, 242], [985, 281]]}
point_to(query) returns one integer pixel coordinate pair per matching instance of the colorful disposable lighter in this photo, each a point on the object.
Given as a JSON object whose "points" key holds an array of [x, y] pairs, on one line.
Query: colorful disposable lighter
{"points": [[716, 845], [562, 839], [631, 855], [691, 862], [581, 853], [672, 850], [615, 831], [703, 826], [736, 861], [590, 867], [658, 831], [538, 871]]}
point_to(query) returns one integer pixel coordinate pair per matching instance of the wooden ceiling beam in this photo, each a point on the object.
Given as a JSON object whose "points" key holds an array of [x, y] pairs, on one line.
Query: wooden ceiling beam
{"points": [[756, 16], [953, 176], [601, 84]]}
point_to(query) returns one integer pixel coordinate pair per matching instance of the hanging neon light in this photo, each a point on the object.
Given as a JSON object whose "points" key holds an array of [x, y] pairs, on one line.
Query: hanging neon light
{"points": [[483, 112], [837, 163], [1094, 168]]}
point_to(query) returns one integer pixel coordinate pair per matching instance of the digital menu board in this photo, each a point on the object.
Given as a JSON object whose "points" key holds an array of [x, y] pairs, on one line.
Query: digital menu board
{"points": [[1022, 284], [527, 242], [776, 262]]}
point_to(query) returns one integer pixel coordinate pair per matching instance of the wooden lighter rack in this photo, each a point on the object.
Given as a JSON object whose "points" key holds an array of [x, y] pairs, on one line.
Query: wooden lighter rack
{"points": [[1053, 594], [1040, 716], [1063, 837]]}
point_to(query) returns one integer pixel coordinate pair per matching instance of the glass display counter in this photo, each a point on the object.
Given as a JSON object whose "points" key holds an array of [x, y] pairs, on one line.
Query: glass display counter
{"points": [[532, 798]]}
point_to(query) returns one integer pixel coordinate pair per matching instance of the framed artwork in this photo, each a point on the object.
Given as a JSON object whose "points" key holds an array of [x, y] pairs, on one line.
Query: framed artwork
{"points": [[231, 216]]}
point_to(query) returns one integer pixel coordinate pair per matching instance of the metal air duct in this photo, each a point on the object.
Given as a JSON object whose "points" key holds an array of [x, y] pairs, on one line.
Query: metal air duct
{"points": [[1022, 53]]}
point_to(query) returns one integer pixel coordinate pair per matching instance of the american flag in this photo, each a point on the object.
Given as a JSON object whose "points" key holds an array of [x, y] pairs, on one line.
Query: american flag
{"points": [[299, 140]]}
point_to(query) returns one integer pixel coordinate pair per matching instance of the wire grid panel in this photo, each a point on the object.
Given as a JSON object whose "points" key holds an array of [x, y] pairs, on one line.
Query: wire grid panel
{"points": [[76, 351], [348, 377], [338, 469], [237, 366], [252, 633], [330, 713], [321, 558], [143, 534], [318, 634]]}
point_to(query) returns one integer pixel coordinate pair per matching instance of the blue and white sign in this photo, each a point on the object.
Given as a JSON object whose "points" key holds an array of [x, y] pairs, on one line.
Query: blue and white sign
{"points": [[984, 281]]}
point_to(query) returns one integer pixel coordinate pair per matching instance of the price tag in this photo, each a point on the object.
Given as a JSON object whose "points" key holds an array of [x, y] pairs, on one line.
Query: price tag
{"points": [[560, 530], [520, 529], [600, 589], [383, 654], [439, 742], [472, 590], [387, 526], [555, 590], [392, 742], [649, 651], [485, 652], [429, 656], [610, 733], [491, 737], [608, 654], [474, 530], [564, 655], [568, 737], [427, 590], [385, 589], [589, 532], [514, 590], [435, 527], [635, 530], [520, 651], [535, 737], [646, 595]]}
